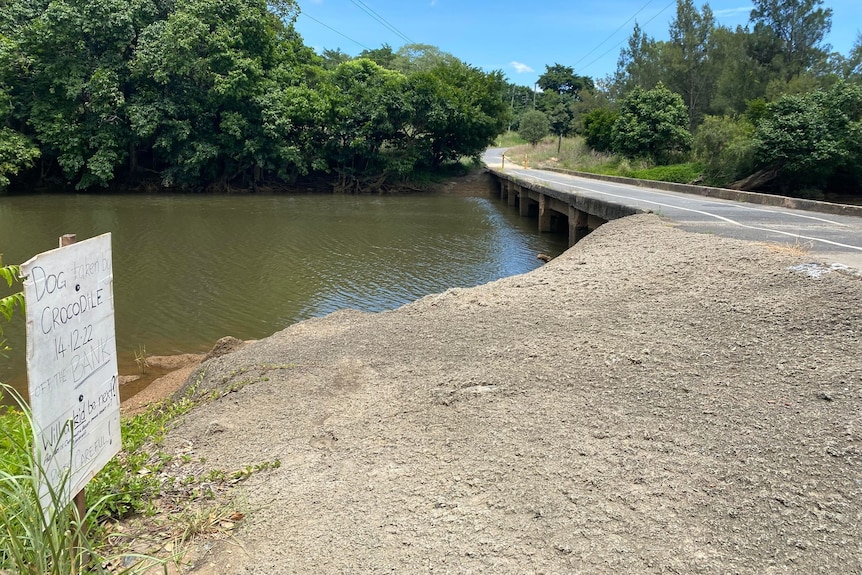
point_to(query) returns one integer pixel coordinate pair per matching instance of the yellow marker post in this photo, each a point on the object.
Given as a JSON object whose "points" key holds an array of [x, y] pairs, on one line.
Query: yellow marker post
{"points": [[503, 162]]}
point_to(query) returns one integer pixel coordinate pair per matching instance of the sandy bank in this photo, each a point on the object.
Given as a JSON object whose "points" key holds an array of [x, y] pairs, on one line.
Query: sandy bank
{"points": [[652, 401]]}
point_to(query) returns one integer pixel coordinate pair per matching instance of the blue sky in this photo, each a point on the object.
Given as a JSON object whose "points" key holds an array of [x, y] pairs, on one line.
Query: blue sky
{"points": [[521, 37]]}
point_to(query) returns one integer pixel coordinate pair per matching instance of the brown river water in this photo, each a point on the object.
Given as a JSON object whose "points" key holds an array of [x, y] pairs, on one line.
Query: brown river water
{"points": [[190, 269]]}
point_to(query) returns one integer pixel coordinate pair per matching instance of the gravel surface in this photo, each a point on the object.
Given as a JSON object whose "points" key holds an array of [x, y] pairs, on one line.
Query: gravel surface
{"points": [[652, 401]]}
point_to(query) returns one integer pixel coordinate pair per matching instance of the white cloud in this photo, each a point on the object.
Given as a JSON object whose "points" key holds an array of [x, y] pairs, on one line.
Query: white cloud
{"points": [[520, 68], [734, 11]]}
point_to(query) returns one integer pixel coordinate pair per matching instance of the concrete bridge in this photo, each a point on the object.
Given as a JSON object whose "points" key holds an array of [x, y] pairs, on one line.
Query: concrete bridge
{"points": [[557, 208], [832, 232]]}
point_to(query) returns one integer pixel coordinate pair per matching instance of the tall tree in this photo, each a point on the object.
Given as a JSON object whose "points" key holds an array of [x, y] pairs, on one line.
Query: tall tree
{"points": [[790, 33], [383, 56], [332, 59], [738, 77], [17, 150], [691, 56], [652, 124], [563, 80], [412, 58], [367, 112], [561, 90], [458, 110], [78, 52], [639, 64]]}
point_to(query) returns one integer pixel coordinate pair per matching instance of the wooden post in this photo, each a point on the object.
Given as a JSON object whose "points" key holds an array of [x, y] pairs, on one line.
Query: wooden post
{"points": [[80, 499]]}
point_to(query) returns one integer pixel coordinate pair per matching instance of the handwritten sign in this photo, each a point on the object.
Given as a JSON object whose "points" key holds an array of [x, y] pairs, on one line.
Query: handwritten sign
{"points": [[72, 364]]}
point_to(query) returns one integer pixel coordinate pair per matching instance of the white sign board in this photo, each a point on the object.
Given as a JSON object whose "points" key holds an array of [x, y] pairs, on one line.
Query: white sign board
{"points": [[72, 363]]}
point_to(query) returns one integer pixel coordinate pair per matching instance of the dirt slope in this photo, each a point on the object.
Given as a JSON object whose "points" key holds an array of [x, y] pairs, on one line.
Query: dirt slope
{"points": [[652, 401]]}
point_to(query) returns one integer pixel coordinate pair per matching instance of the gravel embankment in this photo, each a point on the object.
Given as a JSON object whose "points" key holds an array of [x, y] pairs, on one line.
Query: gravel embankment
{"points": [[652, 401]]}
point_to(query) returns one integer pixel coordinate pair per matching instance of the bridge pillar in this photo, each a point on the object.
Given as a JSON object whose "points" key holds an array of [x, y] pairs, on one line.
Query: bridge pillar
{"points": [[544, 213], [523, 202], [578, 225], [513, 195], [504, 189]]}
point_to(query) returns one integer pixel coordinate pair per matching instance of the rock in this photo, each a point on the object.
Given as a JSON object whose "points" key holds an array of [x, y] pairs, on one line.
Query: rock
{"points": [[224, 346]]}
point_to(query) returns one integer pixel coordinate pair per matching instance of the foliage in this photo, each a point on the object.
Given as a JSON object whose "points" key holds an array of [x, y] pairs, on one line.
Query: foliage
{"points": [[652, 124], [561, 79], [726, 148], [212, 94], [560, 110], [791, 32], [58, 542], [17, 152], [457, 110], [129, 481], [509, 139], [598, 129], [534, 126], [577, 155], [383, 56], [717, 69], [10, 274], [690, 55], [812, 138], [639, 65], [685, 173]]}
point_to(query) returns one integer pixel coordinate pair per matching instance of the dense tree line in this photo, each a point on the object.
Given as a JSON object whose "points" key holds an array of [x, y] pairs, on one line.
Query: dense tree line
{"points": [[221, 92], [769, 102]]}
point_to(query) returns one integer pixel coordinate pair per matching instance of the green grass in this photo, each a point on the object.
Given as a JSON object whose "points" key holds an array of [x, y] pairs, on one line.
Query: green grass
{"points": [[575, 155], [509, 139], [130, 480], [59, 542], [679, 173]]}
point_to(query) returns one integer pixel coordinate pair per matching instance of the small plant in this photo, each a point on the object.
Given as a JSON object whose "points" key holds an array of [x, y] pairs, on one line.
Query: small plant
{"points": [[141, 359], [10, 274], [196, 522]]}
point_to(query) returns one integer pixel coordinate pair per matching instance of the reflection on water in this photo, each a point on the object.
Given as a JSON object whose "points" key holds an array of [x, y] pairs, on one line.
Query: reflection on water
{"points": [[191, 269]]}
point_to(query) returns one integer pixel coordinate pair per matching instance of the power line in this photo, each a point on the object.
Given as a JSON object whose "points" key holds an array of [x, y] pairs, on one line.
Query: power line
{"points": [[632, 17], [334, 30], [368, 10], [603, 54]]}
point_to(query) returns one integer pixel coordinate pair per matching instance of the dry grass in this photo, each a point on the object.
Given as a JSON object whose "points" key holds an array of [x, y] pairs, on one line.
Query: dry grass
{"points": [[795, 249], [574, 154]]}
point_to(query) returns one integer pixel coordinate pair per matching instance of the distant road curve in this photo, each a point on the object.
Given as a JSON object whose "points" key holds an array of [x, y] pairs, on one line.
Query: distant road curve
{"points": [[832, 238]]}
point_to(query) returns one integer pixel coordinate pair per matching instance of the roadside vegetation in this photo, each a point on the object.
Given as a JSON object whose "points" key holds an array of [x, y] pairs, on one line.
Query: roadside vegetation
{"points": [[764, 107], [574, 154]]}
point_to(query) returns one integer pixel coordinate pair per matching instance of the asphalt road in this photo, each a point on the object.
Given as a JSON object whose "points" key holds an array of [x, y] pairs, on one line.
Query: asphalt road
{"points": [[828, 238]]}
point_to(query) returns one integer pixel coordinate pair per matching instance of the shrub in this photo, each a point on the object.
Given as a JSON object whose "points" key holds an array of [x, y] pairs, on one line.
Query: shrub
{"points": [[534, 126], [726, 148]]}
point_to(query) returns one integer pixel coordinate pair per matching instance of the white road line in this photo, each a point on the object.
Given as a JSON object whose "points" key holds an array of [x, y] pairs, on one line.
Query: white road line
{"points": [[703, 213]]}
